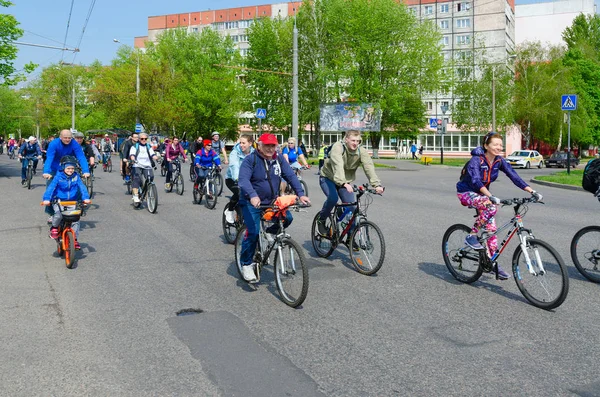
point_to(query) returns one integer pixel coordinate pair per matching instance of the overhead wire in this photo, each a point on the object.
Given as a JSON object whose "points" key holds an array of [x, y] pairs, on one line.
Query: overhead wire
{"points": [[67, 31], [87, 19]]}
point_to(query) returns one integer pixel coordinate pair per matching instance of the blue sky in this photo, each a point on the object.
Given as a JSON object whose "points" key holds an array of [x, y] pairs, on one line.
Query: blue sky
{"points": [[45, 22]]}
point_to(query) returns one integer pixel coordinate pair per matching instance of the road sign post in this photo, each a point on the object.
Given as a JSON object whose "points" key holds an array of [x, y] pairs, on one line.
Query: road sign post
{"points": [[568, 104], [443, 124], [260, 114]]}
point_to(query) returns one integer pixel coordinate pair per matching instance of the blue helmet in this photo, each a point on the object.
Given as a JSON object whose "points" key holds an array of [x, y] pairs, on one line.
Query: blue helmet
{"points": [[68, 161]]}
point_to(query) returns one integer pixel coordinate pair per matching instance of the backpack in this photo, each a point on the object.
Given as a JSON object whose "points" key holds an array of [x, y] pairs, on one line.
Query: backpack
{"points": [[591, 176], [147, 146], [328, 149]]}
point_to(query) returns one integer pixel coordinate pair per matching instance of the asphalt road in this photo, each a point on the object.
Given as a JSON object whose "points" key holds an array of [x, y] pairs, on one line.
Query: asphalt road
{"points": [[109, 326]]}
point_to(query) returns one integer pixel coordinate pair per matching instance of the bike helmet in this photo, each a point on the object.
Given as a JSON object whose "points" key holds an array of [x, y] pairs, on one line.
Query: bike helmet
{"points": [[68, 160], [215, 133]]}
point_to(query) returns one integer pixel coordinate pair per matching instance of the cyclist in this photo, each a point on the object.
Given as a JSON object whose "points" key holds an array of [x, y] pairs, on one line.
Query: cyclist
{"points": [[1, 144], [29, 151], [294, 155], [144, 158], [205, 158], [259, 179], [237, 155], [339, 171], [219, 146], [65, 146], [11, 145], [195, 147], [172, 151], [45, 147], [87, 149], [66, 186], [473, 190], [107, 148], [125, 167]]}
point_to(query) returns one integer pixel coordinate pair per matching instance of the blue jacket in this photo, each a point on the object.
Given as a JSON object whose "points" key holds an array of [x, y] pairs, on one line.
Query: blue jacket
{"points": [[204, 159], [28, 150], [253, 180], [66, 187], [57, 149], [479, 173], [235, 161]]}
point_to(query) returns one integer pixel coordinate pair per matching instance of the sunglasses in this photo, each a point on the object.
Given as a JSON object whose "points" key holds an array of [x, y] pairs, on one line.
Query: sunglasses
{"points": [[143, 139], [208, 145]]}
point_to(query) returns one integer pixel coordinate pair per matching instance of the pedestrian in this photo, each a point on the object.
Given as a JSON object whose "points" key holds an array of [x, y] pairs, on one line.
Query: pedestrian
{"points": [[413, 151], [420, 151]]}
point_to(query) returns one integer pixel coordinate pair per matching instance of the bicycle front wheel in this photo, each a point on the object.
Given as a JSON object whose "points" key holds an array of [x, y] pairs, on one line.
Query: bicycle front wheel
{"points": [[323, 245], [367, 248], [29, 177], [219, 184], [230, 229], [192, 173], [109, 165], [291, 273], [152, 198], [211, 195], [461, 260], [237, 249], [179, 184], [585, 252], [305, 187], [128, 184], [69, 248], [544, 282], [89, 183]]}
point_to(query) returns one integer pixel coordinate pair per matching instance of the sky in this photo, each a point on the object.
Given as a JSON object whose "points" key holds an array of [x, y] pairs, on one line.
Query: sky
{"points": [[45, 23]]}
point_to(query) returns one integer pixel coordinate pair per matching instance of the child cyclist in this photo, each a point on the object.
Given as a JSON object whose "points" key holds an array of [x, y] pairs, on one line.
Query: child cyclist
{"points": [[66, 186], [473, 190], [205, 158]]}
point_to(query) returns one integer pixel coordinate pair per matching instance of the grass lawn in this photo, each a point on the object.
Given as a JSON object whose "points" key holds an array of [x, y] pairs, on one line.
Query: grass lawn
{"points": [[377, 165], [562, 177], [448, 161]]}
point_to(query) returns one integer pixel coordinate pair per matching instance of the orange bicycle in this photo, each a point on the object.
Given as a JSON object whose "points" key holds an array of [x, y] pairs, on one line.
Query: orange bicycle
{"points": [[65, 243]]}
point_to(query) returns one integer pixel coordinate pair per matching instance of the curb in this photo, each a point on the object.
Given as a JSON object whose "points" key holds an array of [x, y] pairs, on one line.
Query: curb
{"points": [[558, 185]]}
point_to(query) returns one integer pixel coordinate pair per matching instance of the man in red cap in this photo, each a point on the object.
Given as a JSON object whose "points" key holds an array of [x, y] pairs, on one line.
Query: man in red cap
{"points": [[259, 181]]}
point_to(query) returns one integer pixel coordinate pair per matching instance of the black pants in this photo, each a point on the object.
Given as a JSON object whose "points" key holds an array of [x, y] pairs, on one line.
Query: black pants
{"points": [[235, 189]]}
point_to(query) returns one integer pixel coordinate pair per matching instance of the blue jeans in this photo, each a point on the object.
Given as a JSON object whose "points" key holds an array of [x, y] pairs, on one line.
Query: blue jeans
{"points": [[334, 193], [105, 157], [24, 163], [252, 221]]}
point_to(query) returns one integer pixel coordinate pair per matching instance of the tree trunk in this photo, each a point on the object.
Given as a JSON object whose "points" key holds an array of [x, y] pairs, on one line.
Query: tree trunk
{"points": [[375, 138]]}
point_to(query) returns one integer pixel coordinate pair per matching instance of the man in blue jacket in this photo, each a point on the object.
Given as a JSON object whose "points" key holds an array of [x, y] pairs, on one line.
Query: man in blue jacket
{"points": [[65, 146], [29, 151], [259, 180]]}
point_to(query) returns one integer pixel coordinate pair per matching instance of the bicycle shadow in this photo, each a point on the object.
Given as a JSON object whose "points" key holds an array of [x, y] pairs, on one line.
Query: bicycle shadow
{"points": [[344, 258], [441, 272]]}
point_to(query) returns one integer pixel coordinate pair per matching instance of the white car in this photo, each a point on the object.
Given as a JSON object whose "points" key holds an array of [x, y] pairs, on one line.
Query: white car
{"points": [[525, 159]]}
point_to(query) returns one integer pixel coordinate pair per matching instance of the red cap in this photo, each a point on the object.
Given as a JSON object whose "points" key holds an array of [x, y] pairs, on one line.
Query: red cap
{"points": [[207, 142], [268, 139]]}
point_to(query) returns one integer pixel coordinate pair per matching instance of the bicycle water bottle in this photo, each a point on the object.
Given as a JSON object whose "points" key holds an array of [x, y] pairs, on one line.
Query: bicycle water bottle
{"points": [[344, 217]]}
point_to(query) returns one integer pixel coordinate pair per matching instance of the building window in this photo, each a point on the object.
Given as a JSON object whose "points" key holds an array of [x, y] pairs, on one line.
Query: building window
{"points": [[445, 40], [463, 55], [444, 24], [243, 52], [445, 103], [463, 39], [413, 10], [462, 73], [428, 10], [194, 29], [429, 105], [463, 23], [465, 6], [219, 25], [444, 8]]}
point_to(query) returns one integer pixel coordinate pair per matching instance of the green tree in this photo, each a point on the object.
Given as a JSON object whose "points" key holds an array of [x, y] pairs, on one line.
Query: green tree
{"points": [[15, 113], [10, 32]]}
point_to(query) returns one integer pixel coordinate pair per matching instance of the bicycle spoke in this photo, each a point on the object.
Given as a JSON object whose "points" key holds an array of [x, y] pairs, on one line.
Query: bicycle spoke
{"points": [[367, 248]]}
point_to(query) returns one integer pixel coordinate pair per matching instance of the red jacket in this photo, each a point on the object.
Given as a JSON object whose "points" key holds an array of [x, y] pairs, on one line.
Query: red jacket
{"points": [[172, 154]]}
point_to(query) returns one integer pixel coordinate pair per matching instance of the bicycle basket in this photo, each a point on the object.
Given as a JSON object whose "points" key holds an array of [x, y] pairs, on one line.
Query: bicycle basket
{"points": [[71, 215]]}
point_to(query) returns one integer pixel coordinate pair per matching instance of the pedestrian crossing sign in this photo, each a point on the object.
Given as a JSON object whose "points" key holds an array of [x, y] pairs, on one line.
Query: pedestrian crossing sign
{"points": [[569, 102], [261, 113]]}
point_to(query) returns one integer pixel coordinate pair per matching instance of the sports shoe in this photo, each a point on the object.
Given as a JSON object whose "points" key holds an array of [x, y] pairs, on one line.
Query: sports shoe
{"points": [[502, 275], [472, 241], [248, 273], [77, 246], [229, 216], [355, 246], [136, 198], [321, 227], [167, 186], [54, 232], [23, 181]]}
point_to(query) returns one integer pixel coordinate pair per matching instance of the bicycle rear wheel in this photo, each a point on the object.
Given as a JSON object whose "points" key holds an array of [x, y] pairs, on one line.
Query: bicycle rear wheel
{"points": [[237, 249], [69, 248], [323, 245], [547, 284], [585, 252], [461, 260], [367, 248], [179, 184], [211, 196], [152, 198], [230, 229], [291, 274], [109, 165]]}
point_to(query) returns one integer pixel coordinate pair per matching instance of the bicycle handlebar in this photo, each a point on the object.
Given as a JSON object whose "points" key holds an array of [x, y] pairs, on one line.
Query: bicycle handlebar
{"points": [[520, 201], [364, 188]]}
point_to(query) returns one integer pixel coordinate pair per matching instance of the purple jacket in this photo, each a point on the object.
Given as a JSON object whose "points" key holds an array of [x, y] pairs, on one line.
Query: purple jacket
{"points": [[479, 173], [172, 154]]}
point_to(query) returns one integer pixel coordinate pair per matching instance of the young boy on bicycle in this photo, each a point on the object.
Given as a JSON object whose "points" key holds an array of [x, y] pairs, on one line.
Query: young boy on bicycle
{"points": [[66, 186]]}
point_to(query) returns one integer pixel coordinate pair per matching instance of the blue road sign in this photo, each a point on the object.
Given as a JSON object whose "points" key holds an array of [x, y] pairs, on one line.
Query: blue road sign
{"points": [[568, 102], [261, 113], [433, 123], [139, 128]]}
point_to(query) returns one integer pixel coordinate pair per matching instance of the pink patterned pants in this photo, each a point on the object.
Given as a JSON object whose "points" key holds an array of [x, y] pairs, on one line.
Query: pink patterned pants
{"points": [[485, 215]]}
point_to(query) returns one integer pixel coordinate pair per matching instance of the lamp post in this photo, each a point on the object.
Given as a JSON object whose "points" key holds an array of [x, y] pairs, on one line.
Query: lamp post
{"points": [[137, 85], [72, 97], [444, 109], [510, 57]]}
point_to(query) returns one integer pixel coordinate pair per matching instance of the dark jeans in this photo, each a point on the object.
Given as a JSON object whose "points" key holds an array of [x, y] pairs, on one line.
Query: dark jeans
{"points": [[334, 193], [201, 173], [235, 189], [252, 221], [170, 168], [24, 163], [137, 176]]}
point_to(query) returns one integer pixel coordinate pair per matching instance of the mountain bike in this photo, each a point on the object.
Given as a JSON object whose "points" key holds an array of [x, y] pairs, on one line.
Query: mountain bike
{"points": [[288, 188], [148, 192], [65, 243], [538, 269], [192, 171], [208, 189], [290, 271], [89, 181], [29, 173], [363, 238], [176, 179], [585, 252], [107, 165], [230, 230], [11, 153]]}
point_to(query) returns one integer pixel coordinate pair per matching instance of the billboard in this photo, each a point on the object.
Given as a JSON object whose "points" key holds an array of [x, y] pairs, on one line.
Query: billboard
{"points": [[339, 117]]}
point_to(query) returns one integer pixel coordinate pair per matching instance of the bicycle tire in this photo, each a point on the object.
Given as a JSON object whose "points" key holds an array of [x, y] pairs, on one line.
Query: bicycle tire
{"points": [[163, 170], [59, 248], [152, 198], [197, 193], [291, 273], [552, 286], [219, 183], [461, 260], [29, 176], [305, 187], [192, 172], [585, 252], [69, 248], [230, 229], [109, 165], [179, 188], [89, 184], [323, 245], [211, 196], [237, 250], [369, 257]]}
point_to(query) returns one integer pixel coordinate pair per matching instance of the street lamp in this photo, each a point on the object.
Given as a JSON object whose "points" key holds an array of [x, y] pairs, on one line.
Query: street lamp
{"points": [[72, 97], [444, 109], [510, 57], [137, 85]]}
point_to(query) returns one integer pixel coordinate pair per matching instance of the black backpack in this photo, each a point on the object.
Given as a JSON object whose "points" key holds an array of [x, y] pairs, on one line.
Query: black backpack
{"points": [[328, 149], [591, 176]]}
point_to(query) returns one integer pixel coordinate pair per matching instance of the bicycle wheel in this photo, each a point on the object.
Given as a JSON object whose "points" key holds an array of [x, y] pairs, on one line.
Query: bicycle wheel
{"points": [[367, 248], [29, 177], [237, 249], [179, 184], [585, 252], [305, 187], [219, 184], [323, 245], [546, 285], [69, 248], [291, 273], [109, 165], [211, 196], [461, 260], [192, 172], [152, 198], [89, 184], [163, 170], [128, 184], [230, 229]]}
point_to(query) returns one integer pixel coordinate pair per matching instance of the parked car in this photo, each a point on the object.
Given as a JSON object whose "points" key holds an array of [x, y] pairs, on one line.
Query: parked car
{"points": [[526, 159], [559, 159]]}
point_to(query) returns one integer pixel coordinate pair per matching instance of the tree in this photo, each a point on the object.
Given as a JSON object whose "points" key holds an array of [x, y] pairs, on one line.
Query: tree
{"points": [[10, 32], [15, 113]]}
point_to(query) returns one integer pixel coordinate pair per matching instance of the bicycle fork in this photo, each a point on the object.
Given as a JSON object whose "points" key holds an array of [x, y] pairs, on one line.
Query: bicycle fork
{"points": [[531, 266]]}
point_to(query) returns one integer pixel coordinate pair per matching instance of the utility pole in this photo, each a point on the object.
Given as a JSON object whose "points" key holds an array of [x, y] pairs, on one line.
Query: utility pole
{"points": [[295, 85]]}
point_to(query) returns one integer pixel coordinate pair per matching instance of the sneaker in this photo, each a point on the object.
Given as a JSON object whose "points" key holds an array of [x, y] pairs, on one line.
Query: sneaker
{"points": [[34, 172], [248, 273], [77, 246], [136, 198], [355, 247], [501, 274], [54, 232], [23, 181], [472, 241], [321, 227], [229, 216]]}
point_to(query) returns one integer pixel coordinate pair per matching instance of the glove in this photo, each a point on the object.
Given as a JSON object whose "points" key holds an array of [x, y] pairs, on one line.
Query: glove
{"points": [[494, 200], [537, 196]]}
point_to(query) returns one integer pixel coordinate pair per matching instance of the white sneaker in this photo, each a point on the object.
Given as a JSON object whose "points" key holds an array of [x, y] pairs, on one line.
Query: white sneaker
{"points": [[229, 216], [248, 273], [136, 198], [167, 186]]}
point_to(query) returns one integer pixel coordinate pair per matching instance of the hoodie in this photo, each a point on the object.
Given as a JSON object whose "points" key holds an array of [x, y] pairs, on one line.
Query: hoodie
{"points": [[66, 188], [235, 161]]}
